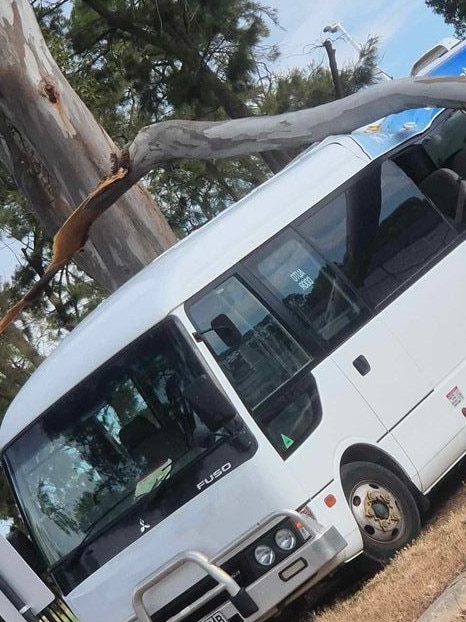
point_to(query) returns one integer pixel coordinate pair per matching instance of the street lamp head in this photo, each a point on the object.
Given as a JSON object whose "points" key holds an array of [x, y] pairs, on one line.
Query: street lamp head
{"points": [[333, 28]]}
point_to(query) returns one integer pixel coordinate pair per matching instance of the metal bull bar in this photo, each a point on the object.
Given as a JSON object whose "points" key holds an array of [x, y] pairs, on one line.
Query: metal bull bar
{"points": [[238, 596]]}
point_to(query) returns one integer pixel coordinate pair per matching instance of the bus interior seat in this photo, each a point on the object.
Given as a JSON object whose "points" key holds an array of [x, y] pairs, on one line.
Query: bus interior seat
{"points": [[416, 163], [457, 163], [141, 439], [443, 188]]}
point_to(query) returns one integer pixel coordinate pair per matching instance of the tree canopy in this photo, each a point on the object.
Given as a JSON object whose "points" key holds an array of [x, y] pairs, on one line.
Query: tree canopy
{"points": [[176, 39], [453, 11], [129, 80]]}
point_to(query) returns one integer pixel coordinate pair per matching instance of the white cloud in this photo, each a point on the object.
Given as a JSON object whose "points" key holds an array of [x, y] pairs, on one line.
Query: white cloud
{"points": [[405, 29]]}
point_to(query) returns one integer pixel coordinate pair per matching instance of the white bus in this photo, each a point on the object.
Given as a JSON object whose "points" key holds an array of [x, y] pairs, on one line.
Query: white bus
{"points": [[269, 398]]}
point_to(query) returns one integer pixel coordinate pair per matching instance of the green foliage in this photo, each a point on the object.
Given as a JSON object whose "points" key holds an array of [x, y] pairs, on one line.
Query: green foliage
{"points": [[192, 192], [313, 85], [171, 55], [202, 59], [156, 55], [365, 71], [453, 12]]}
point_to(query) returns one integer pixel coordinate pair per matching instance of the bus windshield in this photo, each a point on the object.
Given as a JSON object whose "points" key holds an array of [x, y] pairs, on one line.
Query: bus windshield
{"points": [[110, 442]]}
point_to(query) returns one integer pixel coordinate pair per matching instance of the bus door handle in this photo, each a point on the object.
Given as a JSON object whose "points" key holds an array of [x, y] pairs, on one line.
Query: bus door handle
{"points": [[362, 365]]}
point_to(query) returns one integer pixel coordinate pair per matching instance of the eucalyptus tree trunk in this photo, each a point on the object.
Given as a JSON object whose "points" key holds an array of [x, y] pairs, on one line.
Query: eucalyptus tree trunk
{"points": [[57, 153]]}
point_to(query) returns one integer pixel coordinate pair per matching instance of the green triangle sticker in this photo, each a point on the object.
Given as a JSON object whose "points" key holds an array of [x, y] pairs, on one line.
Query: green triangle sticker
{"points": [[287, 441]]}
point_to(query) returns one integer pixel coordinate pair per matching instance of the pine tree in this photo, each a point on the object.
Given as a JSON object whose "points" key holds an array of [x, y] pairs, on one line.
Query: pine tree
{"points": [[453, 12]]}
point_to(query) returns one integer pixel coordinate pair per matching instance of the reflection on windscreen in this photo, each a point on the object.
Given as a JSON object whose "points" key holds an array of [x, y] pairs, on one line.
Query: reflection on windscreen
{"points": [[107, 443]]}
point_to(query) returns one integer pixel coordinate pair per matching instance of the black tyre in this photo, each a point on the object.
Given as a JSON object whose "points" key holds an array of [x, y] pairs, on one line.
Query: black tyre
{"points": [[384, 508]]}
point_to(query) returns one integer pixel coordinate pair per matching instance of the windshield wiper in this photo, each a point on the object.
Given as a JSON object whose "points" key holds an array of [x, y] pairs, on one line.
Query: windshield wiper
{"points": [[91, 530]]}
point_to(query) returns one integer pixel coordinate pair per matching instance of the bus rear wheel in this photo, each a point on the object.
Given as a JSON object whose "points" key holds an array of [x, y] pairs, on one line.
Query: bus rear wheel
{"points": [[383, 507]]}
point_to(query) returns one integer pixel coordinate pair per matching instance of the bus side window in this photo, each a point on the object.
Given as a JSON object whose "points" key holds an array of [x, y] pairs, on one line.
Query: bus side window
{"points": [[255, 352], [308, 287], [384, 232], [438, 166], [446, 144], [267, 367]]}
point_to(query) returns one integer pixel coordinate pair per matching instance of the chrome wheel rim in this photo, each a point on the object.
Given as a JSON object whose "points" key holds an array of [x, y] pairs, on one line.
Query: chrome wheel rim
{"points": [[377, 512]]}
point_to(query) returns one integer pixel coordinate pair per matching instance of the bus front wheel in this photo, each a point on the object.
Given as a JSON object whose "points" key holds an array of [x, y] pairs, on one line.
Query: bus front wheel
{"points": [[384, 509]]}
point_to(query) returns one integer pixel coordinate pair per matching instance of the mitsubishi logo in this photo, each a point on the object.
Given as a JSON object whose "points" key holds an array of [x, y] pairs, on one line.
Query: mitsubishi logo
{"points": [[143, 525]]}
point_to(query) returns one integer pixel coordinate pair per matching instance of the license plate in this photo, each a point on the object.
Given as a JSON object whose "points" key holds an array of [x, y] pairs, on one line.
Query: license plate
{"points": [[215, 617]]}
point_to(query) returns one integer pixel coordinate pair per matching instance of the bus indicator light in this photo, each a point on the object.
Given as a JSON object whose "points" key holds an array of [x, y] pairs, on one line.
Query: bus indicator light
{"points": [[303, 530], [330, 501]]}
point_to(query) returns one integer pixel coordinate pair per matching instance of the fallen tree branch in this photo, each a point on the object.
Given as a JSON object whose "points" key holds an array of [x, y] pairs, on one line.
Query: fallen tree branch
{"points": [[171, 140]]}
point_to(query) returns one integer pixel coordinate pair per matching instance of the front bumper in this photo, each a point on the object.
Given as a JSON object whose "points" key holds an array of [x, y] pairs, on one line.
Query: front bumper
{"points": [[312, 561]]}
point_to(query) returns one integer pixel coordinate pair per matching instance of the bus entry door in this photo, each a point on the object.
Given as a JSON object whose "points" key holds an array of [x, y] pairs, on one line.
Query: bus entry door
{"points": [[403, 398], [383, 373]]}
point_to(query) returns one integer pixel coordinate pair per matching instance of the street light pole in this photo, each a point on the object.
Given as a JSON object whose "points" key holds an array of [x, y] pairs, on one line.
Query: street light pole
{"points": [[337, 27], [346, 35]]}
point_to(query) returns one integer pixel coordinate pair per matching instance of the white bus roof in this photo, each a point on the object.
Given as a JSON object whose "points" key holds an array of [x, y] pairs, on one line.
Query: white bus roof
{"points": [[429, 59], [180, 272]]}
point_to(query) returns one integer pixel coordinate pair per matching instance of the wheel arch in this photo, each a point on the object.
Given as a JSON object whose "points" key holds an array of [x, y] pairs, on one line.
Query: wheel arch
{"points": [[362, 452]]}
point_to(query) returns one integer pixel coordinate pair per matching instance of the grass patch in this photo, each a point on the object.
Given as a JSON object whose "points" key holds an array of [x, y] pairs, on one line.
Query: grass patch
{"points": [[404, 589]]}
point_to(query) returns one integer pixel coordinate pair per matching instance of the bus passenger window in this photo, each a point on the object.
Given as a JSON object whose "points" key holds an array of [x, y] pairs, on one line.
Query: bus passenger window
{"points": [[384, 232], [267, 367], [307, 287], [446, 143]]}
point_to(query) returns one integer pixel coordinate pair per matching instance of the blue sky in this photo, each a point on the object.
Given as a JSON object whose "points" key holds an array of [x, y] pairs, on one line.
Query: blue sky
{"points": [[406, 28]]}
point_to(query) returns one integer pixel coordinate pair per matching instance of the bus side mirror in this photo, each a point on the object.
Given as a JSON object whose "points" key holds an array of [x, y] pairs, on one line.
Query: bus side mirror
{"points": [[210, 404], [226, 330]]}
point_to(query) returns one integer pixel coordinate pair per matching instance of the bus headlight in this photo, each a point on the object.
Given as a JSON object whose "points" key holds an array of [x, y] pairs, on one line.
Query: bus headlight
{"points": [[285, 539], [264, 555]]}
